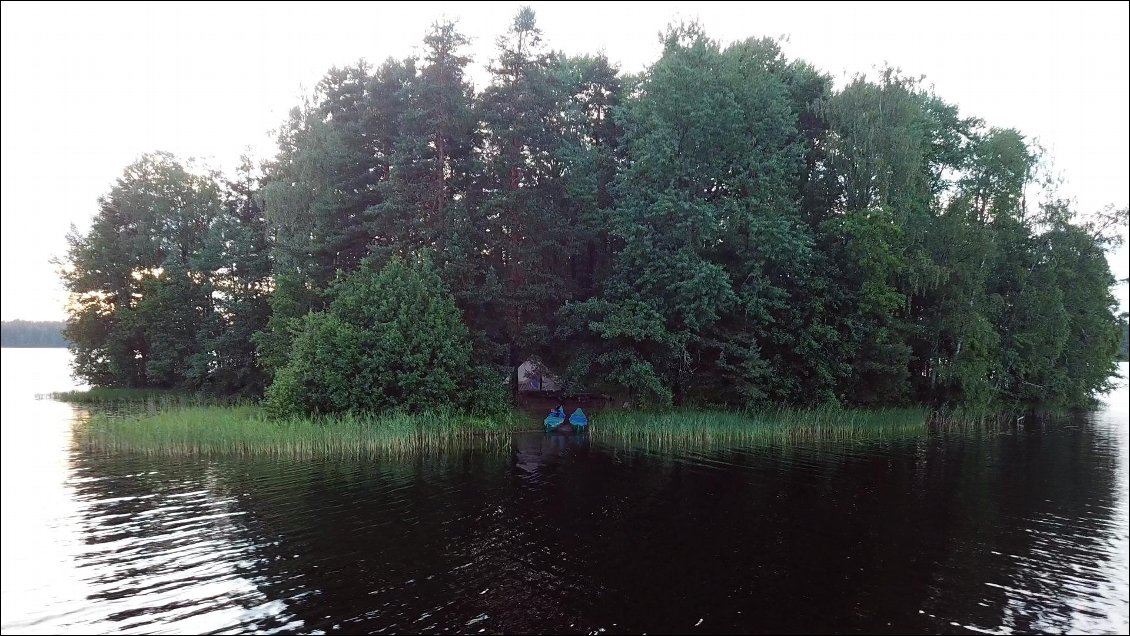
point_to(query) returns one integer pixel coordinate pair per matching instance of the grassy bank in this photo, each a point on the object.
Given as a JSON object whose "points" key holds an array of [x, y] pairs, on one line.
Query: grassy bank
{"points": [[724, 427], [246, 430]]}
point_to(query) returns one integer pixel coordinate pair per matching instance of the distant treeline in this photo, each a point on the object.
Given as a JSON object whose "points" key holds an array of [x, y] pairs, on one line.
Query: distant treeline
{"points": [[727, 228], [32, 333]]}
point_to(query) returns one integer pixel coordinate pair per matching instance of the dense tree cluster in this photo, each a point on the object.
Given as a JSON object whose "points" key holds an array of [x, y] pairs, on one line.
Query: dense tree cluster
{"points": [[724, 228]]}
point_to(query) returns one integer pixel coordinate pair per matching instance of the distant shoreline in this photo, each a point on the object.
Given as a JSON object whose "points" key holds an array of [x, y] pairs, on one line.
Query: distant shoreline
{"points": [[33, 334]]}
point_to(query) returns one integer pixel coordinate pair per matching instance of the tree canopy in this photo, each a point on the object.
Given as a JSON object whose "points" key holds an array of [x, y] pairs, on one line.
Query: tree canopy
{"points": [[724, 228]]}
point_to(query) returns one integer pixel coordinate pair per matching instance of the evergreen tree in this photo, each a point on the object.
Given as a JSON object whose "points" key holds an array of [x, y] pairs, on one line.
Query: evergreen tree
{"points": [[238, 251], [431, 159], [518, 194]]}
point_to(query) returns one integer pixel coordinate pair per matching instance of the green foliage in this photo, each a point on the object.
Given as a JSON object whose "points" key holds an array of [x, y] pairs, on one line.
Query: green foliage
{"points": [[333, 154], [698, 300], [703, 428], [430, 163], [870, 245], [141, 269], [391, 339], [724, 229], [171, 282], [169, 316], [292, 299], [239, 249]]}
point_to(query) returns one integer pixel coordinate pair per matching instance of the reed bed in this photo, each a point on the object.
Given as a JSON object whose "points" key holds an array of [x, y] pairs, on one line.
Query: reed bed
{"points": [[967, 420], [152, 398], [248, 431], [709, 428]]}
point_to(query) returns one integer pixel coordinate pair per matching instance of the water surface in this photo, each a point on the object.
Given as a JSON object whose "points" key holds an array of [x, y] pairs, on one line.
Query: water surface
{"points": [[1024, 530]]}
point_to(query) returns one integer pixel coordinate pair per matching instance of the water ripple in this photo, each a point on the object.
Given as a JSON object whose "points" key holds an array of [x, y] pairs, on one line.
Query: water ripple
{"points": [[1022, 531]]}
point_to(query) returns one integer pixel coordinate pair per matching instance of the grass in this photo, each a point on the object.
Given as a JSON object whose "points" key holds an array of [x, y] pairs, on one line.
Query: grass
{"points": [[708, 428], [166, 424], [247, 431], [965, 420], [151, 397]]}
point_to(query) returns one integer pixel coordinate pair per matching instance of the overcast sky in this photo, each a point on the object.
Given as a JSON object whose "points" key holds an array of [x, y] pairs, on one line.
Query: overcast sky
{"points": [[87, 88]]}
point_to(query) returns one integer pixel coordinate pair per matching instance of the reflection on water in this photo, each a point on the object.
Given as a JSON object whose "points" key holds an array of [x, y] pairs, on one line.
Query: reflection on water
{"points": [[1021, 531]]}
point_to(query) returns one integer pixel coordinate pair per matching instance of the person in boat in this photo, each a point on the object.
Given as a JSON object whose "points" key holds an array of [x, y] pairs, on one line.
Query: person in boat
{"points": [[558, 412]]}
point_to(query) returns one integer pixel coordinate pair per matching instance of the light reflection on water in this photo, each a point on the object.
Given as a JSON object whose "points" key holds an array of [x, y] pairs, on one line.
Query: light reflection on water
{"points": [[1020, 531]]}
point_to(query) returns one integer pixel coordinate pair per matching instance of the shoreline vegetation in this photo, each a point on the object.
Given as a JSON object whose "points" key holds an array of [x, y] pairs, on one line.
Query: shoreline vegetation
{"points": [[250, 431], [164, 423]]}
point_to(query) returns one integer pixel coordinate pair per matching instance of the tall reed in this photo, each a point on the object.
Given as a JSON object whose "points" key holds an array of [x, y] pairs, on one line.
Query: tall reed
{"points": [[247, 431], [782, 424]]}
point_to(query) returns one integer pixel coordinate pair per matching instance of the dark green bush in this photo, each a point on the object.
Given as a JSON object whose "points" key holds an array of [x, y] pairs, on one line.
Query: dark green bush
{"points": [[391, 339]]}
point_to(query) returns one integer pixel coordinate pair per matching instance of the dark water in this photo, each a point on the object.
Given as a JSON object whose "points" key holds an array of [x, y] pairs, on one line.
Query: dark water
{"points": [[1015, 532]]}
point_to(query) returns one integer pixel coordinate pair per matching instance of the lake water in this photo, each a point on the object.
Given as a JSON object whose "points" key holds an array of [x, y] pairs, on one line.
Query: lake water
{"points": [[1019, 531]]}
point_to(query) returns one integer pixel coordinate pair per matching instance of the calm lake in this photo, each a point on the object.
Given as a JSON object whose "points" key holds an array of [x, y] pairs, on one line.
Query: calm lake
{"points": [[1019, 531]]}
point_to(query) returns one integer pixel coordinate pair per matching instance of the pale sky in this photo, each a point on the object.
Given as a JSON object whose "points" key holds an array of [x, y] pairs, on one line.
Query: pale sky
{"points": [[87, 88]]}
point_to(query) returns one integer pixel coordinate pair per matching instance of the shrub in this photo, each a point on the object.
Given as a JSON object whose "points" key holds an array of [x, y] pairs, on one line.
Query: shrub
{"points": [[390, 339]]}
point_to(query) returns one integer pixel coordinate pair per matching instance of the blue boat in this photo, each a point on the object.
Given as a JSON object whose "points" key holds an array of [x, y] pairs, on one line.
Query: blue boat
{"points": [[579, 419], [554, 419]]}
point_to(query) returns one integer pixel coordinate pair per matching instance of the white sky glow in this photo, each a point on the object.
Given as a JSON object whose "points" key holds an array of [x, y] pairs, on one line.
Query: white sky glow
{"points": [[87, 88]]}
